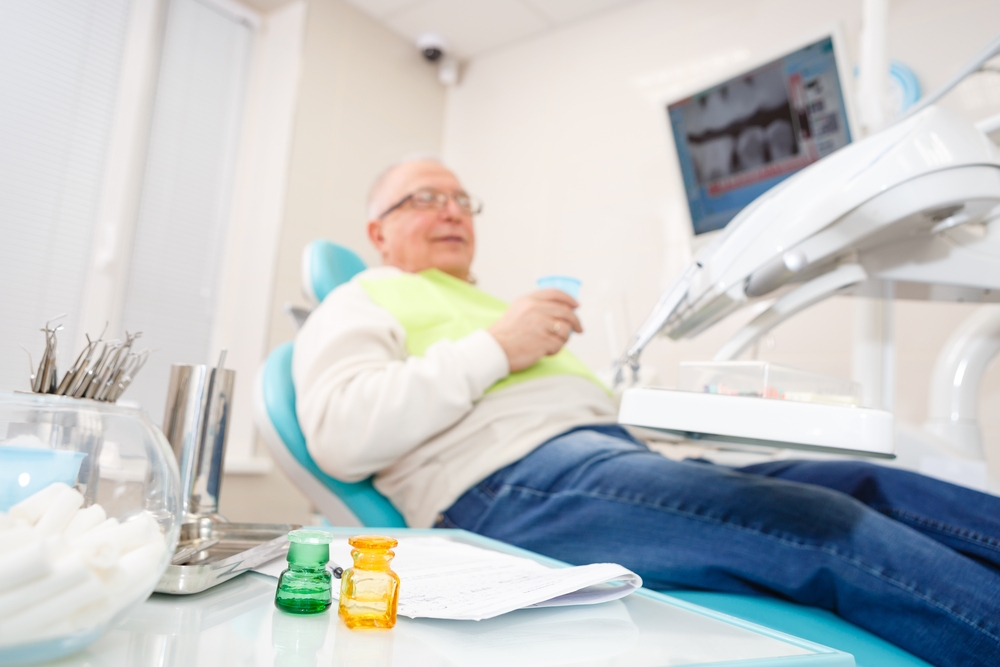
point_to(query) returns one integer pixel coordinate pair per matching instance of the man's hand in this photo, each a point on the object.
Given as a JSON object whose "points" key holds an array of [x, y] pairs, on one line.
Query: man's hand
{"points": [[535, 326]]}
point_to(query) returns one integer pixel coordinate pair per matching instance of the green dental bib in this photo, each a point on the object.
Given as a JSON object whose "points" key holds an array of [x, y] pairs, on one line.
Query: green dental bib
{"points": [[432, 306]]}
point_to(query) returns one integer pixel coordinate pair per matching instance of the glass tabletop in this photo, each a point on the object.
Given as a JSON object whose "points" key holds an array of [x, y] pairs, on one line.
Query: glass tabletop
{"points": [[236, 623]]}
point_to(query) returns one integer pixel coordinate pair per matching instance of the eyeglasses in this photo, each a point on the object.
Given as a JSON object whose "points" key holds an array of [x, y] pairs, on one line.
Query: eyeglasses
{"points": [[426, 198]]}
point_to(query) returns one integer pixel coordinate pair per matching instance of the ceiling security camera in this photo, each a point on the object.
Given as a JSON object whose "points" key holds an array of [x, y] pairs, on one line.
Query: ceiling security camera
{"points": [[432, 46]]}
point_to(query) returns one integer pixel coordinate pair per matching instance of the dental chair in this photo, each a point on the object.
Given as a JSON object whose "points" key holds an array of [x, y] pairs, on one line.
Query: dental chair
{"points": [[325, 265]]}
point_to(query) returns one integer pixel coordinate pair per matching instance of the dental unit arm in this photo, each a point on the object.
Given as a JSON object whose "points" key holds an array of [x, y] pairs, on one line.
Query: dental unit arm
{"points": [[916, 205], [910, 212]]}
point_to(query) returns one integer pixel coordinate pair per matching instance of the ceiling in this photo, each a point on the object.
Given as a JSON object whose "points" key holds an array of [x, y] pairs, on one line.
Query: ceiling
{"points": [[470, 28]]}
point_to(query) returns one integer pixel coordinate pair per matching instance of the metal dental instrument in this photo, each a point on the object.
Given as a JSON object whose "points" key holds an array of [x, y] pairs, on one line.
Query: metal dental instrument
{"points": [[82, 359], [118, 357], [31, 367], [88, 377], [102, 370], [139, 361], [80, 374], [45, 378], [77, 372], [116, 370], [668, 304]]}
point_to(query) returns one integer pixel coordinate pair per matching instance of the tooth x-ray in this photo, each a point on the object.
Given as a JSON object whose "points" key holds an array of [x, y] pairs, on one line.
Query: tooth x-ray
{"points": [[741, 137], [741, 125]]}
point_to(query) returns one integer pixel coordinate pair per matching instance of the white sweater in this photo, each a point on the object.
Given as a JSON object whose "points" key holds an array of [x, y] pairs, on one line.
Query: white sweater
{"points": [[421, 425]]}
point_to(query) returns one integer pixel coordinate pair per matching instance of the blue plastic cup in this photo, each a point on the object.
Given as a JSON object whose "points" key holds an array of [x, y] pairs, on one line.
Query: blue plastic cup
{"points": [[565, 283], [24, 471]]}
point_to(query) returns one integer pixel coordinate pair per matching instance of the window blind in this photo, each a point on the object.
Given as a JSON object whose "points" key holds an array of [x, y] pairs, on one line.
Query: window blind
{"points": [[187, 187], [59, 68]]}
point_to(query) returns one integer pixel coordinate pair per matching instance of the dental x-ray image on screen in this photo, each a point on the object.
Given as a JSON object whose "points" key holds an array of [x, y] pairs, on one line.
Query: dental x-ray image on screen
{"points": [[741, 137]]}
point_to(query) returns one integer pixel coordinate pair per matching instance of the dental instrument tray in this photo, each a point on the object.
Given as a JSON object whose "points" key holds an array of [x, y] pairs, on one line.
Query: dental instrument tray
{"points": [[750, 420], [213, 551], [763, 379]]}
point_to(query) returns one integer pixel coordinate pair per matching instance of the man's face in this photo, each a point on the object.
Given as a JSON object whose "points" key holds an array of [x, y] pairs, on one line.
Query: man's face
{"points": [[414, 239]]}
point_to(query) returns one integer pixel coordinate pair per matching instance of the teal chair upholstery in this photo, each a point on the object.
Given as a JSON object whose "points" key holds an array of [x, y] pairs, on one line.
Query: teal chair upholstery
{"points": [[326, 265], [816, 625]]}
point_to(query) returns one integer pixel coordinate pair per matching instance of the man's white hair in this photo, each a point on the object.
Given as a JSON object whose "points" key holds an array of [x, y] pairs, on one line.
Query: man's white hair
{"points": [[375, 206]]}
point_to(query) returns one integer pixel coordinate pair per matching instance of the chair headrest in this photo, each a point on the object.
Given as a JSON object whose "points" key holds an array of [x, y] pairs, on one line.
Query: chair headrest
{"points": [[325, 266]]}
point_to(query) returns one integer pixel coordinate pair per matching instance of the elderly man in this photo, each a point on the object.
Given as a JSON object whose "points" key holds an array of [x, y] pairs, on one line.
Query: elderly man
{"points": [[471, 413]]}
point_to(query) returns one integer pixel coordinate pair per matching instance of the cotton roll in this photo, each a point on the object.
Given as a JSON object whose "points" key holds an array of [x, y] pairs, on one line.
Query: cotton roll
{"points": [[100, 554], [34, 619], [60, 511], [84, 520], [25, 564], [137, 531], [134, 568], [31, 508], [64, 569], [65, 574], [15, 538], [99, 533]]}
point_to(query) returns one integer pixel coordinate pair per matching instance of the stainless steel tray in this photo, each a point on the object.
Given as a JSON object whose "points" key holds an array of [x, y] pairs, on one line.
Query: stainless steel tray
{"points": [[229, 549]]}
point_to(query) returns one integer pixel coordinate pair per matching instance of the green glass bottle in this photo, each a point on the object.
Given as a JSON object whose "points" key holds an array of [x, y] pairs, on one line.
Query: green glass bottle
{"points": [[304, 588]]}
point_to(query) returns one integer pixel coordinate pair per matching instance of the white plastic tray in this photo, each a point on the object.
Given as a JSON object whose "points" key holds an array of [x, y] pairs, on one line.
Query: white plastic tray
{"points": [[761, 421]]}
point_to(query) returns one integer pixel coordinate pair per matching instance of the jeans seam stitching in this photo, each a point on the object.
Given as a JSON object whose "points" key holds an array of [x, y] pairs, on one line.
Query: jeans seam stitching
{"points": [[485, 492], [799, 545], [970, 536], [488, 498]]}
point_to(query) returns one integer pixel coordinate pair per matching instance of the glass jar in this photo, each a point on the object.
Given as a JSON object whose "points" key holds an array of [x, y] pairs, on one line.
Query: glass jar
{"points": [[305, 586], [369, 591], [112, 473]]}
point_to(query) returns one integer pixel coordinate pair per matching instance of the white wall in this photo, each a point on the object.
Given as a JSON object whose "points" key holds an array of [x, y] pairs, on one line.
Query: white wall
{"points": [[365, 99], [566, 139]]}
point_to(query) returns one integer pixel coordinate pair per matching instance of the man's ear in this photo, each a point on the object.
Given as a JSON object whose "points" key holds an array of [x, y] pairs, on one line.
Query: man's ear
{"points": [[375, 234]]}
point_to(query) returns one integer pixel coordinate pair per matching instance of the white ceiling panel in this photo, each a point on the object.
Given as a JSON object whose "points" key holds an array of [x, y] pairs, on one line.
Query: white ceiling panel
{"points": [[564, 11], [265, 6], [382, 8], [470, 27], [473, 27]]}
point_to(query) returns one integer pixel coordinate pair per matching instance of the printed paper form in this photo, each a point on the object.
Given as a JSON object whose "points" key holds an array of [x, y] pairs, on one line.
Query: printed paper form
{"points": [[450, 580]]}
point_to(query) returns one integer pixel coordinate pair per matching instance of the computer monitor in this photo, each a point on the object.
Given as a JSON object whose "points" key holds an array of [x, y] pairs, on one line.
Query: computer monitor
{"points": [[741, 137]]}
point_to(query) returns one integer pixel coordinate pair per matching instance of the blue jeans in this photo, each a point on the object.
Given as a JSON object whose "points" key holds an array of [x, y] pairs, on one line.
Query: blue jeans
{"points": [[911, 559]]}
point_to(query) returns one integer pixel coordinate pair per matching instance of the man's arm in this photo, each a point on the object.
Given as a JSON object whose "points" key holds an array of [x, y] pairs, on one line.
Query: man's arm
{"points": [[363, 403]]}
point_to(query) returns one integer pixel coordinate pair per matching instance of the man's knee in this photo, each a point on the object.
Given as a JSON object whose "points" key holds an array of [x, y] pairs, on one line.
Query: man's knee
{"points": [[801, 510], [862, 480]]}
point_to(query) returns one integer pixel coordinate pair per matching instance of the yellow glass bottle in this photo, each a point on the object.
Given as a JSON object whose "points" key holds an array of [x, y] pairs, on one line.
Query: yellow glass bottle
{"points": [[369, 591]]}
